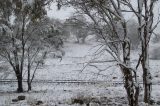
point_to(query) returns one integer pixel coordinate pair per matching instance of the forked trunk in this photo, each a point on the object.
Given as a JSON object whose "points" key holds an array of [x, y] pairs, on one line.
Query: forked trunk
{"points": [[132, 89]]}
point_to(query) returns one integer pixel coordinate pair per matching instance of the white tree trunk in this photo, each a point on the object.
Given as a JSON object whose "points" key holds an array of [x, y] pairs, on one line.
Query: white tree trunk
{"points": [[132, 89], [147, 78]]}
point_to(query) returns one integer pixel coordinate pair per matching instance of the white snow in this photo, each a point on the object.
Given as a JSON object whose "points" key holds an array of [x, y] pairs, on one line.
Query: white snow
{"points": [[76, 57]]}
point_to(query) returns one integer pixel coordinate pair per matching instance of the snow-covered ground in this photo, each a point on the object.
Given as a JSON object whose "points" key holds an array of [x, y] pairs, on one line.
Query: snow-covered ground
{"points": [[76, 64]]}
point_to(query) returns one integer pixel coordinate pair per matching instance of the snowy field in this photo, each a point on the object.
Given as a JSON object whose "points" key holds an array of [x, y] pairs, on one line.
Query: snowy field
{"points": [[78, 63]]}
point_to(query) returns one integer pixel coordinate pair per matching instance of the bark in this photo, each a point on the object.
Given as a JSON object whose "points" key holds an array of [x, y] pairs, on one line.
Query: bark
{"points": [[20, 82], [132, 91], [146, 75], [29, 86], [145, 32], [23, 44], [28, 80], [20, 85], [145, 57], [129, 77], [16, 66], [129, 84], [29, 70]]}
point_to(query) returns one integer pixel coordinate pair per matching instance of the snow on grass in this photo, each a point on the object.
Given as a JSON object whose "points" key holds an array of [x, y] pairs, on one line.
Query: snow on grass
{"points": [[71, 67], [62, 94]]}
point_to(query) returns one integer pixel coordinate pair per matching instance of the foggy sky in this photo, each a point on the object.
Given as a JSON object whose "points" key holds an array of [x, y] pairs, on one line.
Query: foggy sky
{"points": [[66, 12]]}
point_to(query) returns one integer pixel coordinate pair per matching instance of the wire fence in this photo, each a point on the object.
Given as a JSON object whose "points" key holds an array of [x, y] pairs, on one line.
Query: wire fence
{"points": [[71, 81]]}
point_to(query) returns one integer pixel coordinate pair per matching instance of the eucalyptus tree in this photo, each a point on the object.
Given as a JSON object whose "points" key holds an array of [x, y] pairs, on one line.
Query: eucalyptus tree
{"points": [[144, 13], [14, 17], [109, 13], [79, 27], [37, 46], [111, 26]]}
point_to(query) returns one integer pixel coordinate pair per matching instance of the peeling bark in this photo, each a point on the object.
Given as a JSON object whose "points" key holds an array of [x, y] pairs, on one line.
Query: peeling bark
{"points": [[131, 89]]}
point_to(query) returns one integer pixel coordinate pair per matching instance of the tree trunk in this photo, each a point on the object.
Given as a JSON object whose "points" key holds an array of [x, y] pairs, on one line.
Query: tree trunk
{"points": [[18, 73], [29, 86], [29, 72], [20, 85], [147, 85], [146, 74], [29, 81], [129, 84], [132, 91]]}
